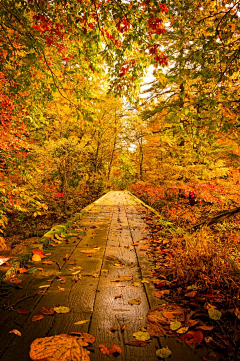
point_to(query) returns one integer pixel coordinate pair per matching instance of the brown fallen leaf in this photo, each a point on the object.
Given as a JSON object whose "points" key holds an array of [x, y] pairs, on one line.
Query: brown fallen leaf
{"points": [[122, 279], [48, 348], [47, 262], [137, 343], [37, 318]]}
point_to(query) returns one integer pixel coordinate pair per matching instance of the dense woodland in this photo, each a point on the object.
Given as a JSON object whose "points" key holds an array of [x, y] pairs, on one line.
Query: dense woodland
{"points": [[74, 124]]}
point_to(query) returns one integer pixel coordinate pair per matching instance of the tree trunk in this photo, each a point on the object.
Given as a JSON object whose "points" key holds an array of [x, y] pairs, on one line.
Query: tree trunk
{"points": [[217, 219]]}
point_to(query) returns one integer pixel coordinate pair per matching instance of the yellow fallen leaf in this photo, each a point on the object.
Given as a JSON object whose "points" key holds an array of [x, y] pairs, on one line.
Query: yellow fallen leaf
{"points": [[36, 258], [81, 322], [61, 309], [142, 335], [122, 279], [135, 301]]}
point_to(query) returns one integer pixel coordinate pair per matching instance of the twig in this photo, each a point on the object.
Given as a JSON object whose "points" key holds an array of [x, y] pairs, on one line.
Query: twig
{"points": [[21, 299]]}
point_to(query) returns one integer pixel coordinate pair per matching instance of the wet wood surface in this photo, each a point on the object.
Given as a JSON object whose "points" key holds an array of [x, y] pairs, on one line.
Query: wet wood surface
{"points": [[108, 244]]}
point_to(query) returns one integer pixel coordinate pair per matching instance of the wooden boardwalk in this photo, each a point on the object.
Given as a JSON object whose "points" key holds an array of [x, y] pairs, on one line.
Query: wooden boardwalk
{"points": [[107, 251]]}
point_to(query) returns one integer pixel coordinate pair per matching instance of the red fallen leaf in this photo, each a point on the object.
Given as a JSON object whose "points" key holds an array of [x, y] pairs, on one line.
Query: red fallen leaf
{"points": [[169, 315], [15, 280], [47, 262], [137, 343], [118, 296], [114, 349], [22, 270], [104, 349], [39, 252], [22, 311], [49, 312], [53, 244], [72, 262], [37, 318], [113, 329], [123, 327], [62, 279], [192, 338], [66, 257]]}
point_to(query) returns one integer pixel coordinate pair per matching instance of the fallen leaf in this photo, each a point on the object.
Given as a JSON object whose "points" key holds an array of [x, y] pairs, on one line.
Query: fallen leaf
{"points": [[114, 349], [137, 343], [38, 252], [44, 286], [123, 327], [182, 330], [163, 352], [48, 348], [15, 280], [88, 251], [144, 281], [214, 314], [160, 294], [144, 248], [192, 338], [37, 318], [22, 311], [49, 312], [62, 279], [113, 329], [36, 258], [104, 349], [206, 328], [61, 289], [142, 335], [61, 309], [175, 325], [81, 322], [16, 332], [135, 301], [122, 279], [47, 262], [118, 296], [66, 257], [72, 262], [135, 284], [22, 270], [190, 294], [86, 337]]}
